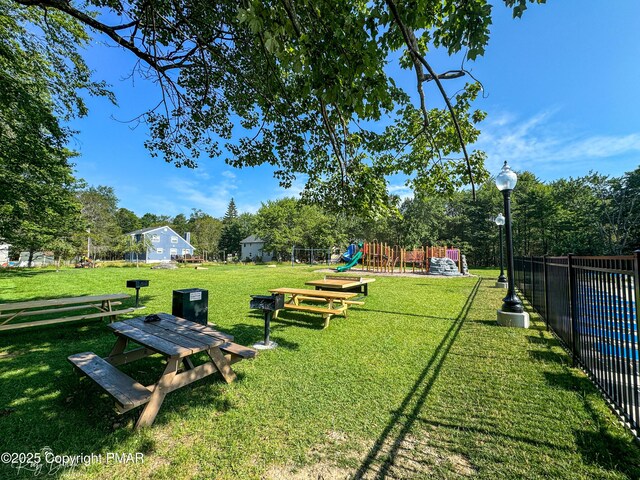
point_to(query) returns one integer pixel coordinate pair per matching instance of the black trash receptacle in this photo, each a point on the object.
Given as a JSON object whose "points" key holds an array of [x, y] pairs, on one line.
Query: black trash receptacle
{"points": [[191, 304]]}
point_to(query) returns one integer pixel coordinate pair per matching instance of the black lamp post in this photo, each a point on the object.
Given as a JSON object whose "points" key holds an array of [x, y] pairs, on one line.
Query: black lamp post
{"points": [[506, 181], [500, 222]]}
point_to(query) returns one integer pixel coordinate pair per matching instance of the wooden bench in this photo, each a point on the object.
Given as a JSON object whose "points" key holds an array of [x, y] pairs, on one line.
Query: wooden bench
{"points": [[127, 392], [102, 303], [234, 352]]}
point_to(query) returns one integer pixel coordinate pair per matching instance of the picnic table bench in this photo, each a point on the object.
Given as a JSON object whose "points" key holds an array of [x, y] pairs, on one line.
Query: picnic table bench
{"points": [[336, 302], [343, 283], [104, 304], [176, 339]]}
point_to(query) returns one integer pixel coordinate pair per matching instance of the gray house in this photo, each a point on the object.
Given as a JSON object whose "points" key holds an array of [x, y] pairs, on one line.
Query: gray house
{"points": [[252, 248], [164, 245]]}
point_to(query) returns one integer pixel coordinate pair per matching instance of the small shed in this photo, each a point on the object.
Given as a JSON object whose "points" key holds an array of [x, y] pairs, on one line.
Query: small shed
{"points": [[4, 254], [252, 247]]}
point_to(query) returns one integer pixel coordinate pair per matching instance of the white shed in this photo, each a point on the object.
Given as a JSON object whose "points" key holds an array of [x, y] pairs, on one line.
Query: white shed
{"points": [[4, 253], [252, 248]]}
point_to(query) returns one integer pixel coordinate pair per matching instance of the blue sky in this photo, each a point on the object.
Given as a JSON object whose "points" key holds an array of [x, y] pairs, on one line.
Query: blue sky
{"points": [[561, 93]]}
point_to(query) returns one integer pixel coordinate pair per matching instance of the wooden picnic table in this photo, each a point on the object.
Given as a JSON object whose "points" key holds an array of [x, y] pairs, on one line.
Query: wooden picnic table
{"points": [[176, 339], [343, 283], [336, 302], [102, 303]]}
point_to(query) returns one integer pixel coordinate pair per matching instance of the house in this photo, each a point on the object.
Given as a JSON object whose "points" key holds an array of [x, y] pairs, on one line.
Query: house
{"points": [[252, 248], [164, 245]]}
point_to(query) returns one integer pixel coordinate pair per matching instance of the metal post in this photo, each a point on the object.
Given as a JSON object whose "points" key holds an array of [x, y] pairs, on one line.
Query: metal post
{"points": [[546, 291], [634, 345], [511, 303], [267, 326], [501, 278], [292, 256], [572, 309]]}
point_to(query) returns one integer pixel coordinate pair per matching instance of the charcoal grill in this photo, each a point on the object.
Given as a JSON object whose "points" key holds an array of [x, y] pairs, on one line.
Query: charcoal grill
{"points": [[137, 284], [268, 304]]}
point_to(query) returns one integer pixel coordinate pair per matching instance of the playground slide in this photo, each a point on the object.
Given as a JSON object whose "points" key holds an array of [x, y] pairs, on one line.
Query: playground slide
{"points": [[351, 264]]}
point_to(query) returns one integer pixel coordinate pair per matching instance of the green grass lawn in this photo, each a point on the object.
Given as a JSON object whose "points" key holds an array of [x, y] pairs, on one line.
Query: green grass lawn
{"points": [[417, 383]]}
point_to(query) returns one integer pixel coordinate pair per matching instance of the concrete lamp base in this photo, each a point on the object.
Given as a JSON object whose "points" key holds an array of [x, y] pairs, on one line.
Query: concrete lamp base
{"points": [[509, 319], [502, 285]]}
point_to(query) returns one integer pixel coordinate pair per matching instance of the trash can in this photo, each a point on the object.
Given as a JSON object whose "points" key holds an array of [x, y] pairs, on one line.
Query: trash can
{"points": [[191, 304]]}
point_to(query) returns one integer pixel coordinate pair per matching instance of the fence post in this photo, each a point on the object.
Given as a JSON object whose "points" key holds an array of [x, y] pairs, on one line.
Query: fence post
{"points": [[546, 291], [533, 283], [572, 310], [634, 351]]}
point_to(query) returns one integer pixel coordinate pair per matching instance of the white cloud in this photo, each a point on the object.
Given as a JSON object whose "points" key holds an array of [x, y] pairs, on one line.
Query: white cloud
{"points": [[403, 191], [548, 147]]}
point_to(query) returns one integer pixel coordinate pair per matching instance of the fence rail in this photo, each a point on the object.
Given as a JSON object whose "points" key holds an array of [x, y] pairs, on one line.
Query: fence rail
{"points": [[590, 303]]}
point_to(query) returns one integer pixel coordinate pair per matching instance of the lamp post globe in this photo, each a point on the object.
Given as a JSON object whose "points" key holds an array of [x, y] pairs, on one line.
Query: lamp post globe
{"points": [[512, 311], [502, 280]]}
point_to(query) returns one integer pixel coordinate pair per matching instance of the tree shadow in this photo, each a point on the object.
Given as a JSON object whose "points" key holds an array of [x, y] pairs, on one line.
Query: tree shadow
{"points": [[403, 314], [389, 444]]}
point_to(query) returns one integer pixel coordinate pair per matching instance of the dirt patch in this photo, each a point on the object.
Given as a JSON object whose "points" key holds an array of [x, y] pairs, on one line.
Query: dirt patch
{"points": [[398, 457]]}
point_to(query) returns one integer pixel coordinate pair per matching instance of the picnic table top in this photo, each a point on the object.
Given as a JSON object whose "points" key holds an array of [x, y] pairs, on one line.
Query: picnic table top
{"points": [[340, 282], [315, 293], [54, 302], [171, 336]]}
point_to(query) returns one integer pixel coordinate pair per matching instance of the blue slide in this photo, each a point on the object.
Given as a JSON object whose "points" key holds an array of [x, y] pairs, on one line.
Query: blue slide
{"points": [[351, 251]]}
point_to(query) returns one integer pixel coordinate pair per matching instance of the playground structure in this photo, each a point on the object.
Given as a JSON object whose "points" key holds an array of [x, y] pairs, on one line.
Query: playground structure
{"points": [[385, 258]]}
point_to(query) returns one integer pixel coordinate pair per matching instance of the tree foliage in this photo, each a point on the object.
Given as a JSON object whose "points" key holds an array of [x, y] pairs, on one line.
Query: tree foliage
{"points": [[301, 86]]}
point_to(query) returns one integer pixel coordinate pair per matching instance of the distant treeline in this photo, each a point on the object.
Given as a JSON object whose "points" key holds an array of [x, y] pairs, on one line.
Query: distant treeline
{"points": [[590, 215]]}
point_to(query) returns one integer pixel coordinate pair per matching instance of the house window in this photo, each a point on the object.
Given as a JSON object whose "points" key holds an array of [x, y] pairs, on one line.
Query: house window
{"points": [[159, 250], [245, 245], [186, 251], [173, 251], [155, 238], [174, 239]]}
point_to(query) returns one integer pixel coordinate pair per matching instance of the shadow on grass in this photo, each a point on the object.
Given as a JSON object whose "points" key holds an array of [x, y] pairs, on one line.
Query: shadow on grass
{"points": [[404, 314], [598, 447], [246, 334], [389, 444], [22, 272]]}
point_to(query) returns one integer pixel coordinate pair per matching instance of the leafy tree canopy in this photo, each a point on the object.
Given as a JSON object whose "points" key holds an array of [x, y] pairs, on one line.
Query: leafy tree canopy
{"points": [[301, 85]]}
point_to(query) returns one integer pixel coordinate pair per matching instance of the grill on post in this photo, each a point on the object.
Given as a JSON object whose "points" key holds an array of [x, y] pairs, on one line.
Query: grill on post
{"points": [[268, 304], [137, 284]]}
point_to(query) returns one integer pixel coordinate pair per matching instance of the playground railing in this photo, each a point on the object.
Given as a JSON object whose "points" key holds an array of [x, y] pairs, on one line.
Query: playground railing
{"points": [[590, 304]]}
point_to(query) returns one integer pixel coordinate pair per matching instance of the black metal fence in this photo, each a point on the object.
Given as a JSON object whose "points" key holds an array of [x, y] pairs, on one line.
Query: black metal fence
{"points": [[591, 305]]}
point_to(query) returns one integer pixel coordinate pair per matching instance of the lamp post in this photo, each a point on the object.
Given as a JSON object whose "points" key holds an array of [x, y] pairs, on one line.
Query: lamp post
{"points": [[502, 280], [511, 313]]}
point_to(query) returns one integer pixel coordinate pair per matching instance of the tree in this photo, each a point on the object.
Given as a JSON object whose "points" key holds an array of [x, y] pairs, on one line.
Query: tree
{"points": [[287, 222], [305, 81], [205, 232], [152, 220], [127, 220], [180, 224], [40, 74], [99, 209], [231, 213]]}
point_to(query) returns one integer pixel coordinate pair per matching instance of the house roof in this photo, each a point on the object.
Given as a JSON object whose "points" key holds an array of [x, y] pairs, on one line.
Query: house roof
{"points": [[252, 239], [144, 231]]}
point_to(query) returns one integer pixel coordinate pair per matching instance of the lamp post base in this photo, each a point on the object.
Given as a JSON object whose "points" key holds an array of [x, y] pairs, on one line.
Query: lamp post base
{"points": [[510, 319], [502, 285], [265, 346]]}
